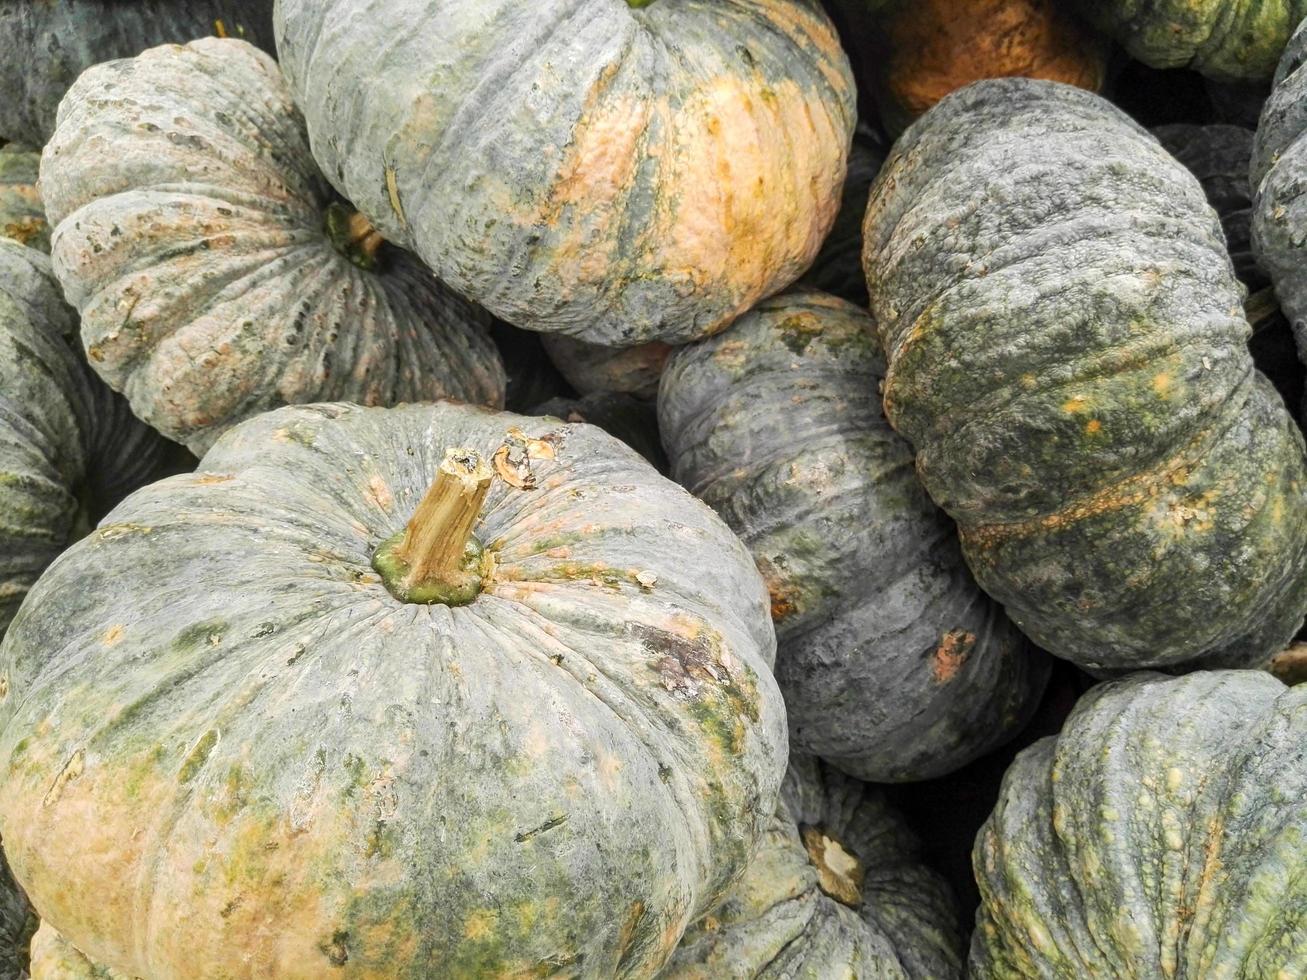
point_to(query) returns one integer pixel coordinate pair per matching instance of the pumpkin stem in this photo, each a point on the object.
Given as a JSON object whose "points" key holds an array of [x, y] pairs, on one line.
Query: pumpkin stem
{"points": [[437, 558], [839, 873], [354, 236]]}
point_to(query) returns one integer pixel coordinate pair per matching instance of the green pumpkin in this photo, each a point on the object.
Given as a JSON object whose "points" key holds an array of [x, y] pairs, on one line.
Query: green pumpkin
{"points": [[215, 275], [1159, 835], [1228, 40], [836, 889], [593, 368], [69, 448], [894, 665], [1068, 355], [45, 45], [555, 770], [625, 417], [22, 216], [617, 172]]}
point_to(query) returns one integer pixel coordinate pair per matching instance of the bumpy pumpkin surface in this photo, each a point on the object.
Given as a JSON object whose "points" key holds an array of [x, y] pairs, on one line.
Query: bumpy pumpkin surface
{"points": [[619, 172], [1229, 40], [1067, 353], [1159, 835], [837, 889], [622, 416], [556, 777], [215, 275], [592, 368], [44, 46], [69, 447], [893, 663], [22, 216]]}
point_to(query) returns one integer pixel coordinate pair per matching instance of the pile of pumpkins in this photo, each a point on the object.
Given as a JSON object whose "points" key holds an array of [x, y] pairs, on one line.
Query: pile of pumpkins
{"points": [[589, 489]]}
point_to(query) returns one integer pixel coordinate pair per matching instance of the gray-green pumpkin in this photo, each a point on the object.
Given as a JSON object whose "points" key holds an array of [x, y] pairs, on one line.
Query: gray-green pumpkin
{"points": [[593, 368], [894, 665], [625, 417], [1159, 835], [215, 275], [46, 44], [554, 771], [1068, 355], [69, 447], [22, 216], [1228, 40], [619, 172], [837, 889]]}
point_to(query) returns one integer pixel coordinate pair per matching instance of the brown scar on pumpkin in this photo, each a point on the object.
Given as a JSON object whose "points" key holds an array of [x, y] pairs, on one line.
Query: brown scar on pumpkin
{"points": [[951, 655], [512, 460], [113, 634]]}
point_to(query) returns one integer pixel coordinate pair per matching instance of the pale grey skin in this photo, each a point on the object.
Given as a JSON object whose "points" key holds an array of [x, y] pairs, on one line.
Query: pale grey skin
{"points": [[22, 215], [560, 775], [1159, 835], [895, 666], [616, 174], [190, 231], [779, 923]]}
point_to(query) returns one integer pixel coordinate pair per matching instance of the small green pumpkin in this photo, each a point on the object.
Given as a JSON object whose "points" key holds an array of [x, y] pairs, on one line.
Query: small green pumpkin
{"points": [[894, 665], [1068, 355], [1159, 835], [22, 215], [836, 889], [593, 368], [215, 275], [625, 417]]}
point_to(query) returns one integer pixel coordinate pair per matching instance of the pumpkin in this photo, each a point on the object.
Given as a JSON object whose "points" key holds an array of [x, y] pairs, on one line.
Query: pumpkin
{"points": [[515, 721], [45, 46], [69, 447], [893, 664], [532, 377], [623, 416], [22, 216], [1228, 40], [837, 889], [593, 368], [1072, 369], [621, 173], [1159, 835], [54, 958], [215, 275]]}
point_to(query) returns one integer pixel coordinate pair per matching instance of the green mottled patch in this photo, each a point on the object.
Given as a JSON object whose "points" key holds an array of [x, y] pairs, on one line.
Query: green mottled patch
{"points": [[457, 589]]}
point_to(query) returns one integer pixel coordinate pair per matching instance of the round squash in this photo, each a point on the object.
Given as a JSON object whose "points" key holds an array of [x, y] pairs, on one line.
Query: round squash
{"points": [[1068, 355], [1228, 40], [1159, 835], [22, 215], [894, 665], [623, 416], [618, 171], [69, 447], [216, 276], [44, 46], [533, 731], [837, 889], [593, 368]]}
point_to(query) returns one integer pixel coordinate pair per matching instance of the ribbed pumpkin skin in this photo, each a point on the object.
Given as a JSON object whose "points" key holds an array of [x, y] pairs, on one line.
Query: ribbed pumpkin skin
{"points": [[591, 368], [1228, 40], [55, 958], [190, 231], [1159, 835], [22, 216], [625, 417], [1067, 353], [616, 174], [893, 663], [44, 46], [69, 447], [559, 776], [779, 922]]}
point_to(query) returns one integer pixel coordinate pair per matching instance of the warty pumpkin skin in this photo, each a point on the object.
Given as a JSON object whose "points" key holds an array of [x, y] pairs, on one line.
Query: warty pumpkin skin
{"points": [[1159, 835], [592, 368], [215, 275], [69, 447], [1071, 366], [625, 417], [894, 665], [618, 172], [44, 46], [22, 215], [557, 776], [836, 889]]}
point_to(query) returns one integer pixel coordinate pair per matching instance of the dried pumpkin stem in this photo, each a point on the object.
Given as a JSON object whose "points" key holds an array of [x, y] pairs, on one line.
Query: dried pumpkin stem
{"points": [[363, 236], [354, 236]]}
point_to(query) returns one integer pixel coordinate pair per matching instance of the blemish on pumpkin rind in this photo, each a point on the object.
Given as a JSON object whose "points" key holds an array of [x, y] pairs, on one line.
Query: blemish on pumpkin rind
{"points": [[951, 655], [113, 634]]}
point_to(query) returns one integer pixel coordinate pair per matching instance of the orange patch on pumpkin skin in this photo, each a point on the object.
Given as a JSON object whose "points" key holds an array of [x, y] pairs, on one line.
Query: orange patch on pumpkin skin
{"points": [[951, 655], [113, 634], [380, 493]]}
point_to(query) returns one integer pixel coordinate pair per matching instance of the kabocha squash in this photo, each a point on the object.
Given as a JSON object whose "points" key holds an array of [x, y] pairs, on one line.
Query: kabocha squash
{"points": [[45, 46], [215, 275], [1067, 354], [22, 216], [1228, 40], [54, 958], [837, 889], [893, 664], [69, 447], [555, 766], [592, 368], [623, 416], [618, 172], [1159, 835]]}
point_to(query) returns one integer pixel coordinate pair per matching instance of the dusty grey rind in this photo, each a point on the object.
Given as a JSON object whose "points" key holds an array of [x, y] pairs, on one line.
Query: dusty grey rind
{"points": [[191, 233], [616, 172], [893, 663], [1068, 355], [1159, 835], [22, 215], [322, 775], [594, 369], [45, 45], [625, 417]]}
